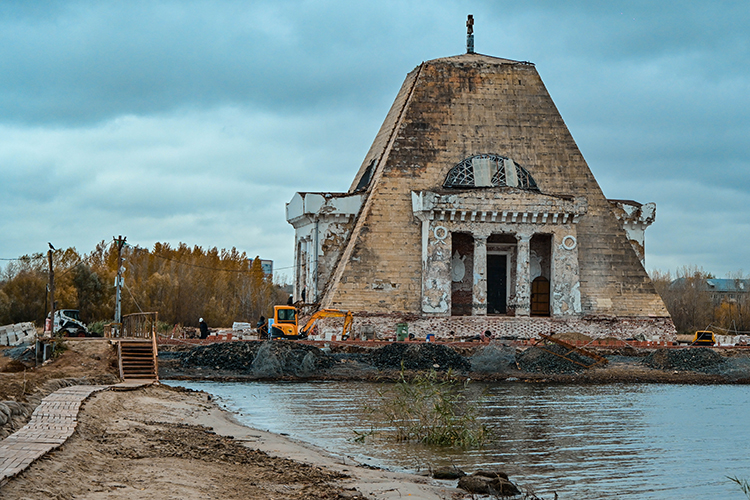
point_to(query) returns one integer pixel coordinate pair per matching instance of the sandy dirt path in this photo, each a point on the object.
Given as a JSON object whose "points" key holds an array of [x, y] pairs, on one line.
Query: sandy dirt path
{"points": [[165, 443]]}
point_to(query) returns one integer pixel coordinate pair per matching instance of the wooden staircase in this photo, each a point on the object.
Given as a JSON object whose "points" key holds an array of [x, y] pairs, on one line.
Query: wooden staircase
{"points": [[138, 360]]}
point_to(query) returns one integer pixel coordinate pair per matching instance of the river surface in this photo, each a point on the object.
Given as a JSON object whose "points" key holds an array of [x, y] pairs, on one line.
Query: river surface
{"points": [[646, 441]]}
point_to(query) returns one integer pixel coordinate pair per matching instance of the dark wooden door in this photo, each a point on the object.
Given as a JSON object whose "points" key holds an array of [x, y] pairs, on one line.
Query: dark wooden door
{"points": [[540, 297], [497, 284]]}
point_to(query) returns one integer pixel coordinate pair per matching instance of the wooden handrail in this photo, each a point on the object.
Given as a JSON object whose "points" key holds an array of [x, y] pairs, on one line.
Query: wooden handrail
{"points": [[154, 348]]}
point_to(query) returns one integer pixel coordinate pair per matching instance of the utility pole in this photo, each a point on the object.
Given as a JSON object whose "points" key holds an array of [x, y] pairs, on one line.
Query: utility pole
{"points": [[51, 292], [120, 242]]}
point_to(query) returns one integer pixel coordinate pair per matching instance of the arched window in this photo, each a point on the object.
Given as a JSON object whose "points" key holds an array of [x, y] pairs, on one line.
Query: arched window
{"points": [[489, 170]]}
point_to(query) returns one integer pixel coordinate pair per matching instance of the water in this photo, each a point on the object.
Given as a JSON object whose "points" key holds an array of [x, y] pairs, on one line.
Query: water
{"points": [[584, 442]]}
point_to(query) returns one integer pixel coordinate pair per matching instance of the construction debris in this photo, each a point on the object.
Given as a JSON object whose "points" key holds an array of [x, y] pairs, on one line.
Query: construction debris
{"points": [[261, 359], [419, 357], [493, 358], [700, 359], [549, 360], [17, 334]]}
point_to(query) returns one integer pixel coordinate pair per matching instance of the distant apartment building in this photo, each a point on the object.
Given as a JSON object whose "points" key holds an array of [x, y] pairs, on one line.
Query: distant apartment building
{"points": [[720, 290]]}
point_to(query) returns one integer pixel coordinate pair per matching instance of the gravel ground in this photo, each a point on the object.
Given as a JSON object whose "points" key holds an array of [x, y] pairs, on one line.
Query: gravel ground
{"points": [[697, 359], [538, 360]]}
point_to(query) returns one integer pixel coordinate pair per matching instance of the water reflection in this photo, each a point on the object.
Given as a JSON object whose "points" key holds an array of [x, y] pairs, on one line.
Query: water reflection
{"points": [[585, 442]]}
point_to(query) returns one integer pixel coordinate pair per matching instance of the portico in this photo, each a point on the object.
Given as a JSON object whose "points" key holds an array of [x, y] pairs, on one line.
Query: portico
{"points": [[499, 253]]}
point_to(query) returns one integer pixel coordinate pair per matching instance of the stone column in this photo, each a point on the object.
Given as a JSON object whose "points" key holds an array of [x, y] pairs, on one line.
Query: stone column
{"points": [[308, 286], [479, 290], [523, 280], [566, 291]]}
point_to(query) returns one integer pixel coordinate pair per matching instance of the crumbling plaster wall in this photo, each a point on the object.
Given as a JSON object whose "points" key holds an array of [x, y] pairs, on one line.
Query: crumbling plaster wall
{"points": [[635, 218], [322, 223], [482, 213]]}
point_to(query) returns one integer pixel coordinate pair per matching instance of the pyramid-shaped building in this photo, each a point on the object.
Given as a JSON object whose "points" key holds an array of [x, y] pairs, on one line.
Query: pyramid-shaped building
{"points": [[474, 210]]}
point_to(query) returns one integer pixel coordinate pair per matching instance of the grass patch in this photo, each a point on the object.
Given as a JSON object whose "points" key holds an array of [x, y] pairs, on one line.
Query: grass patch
{"points": [[97, 327], [742, 483], [428, 409]]}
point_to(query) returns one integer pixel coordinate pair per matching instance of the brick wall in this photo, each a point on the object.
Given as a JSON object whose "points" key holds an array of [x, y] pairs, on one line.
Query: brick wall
{"points": [[467, 327]]}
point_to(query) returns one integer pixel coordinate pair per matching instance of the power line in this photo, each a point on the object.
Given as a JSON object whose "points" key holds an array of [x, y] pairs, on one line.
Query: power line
{"points": [[155, 255], [202, 267], [38, 257], [72, 267], [132, 296], [738, 332]]}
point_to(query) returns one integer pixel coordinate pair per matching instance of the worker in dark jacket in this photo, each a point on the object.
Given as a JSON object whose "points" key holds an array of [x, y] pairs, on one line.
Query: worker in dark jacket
{"points": [[204, 328], [262, 328]]}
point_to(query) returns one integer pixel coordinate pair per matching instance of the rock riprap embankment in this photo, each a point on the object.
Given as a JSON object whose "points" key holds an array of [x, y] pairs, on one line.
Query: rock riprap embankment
{"points": [[288, 359], [261, 359], [697, 359], [419, 357], [548, 360]]}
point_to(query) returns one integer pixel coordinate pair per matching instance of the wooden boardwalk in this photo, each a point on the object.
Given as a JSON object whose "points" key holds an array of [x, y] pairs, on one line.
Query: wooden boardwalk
{"points": [[51, 424]]}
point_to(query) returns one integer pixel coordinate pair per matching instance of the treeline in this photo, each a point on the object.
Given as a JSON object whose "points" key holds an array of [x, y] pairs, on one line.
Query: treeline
{"points": [[182, 284], [693, 306]]}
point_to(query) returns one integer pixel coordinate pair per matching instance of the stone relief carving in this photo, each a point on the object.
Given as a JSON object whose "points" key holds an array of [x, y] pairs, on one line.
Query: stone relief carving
{"points": [[458, 268]]}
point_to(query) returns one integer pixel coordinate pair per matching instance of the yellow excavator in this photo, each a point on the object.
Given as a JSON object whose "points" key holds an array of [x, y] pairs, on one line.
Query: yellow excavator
{"points": [[285, 324]]}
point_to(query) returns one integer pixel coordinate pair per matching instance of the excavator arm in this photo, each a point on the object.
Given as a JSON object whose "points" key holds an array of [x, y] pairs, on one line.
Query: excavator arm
{"points": [[330, 313]]}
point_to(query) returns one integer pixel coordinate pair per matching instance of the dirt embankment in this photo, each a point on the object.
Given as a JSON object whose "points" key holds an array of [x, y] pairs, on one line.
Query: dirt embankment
{"points": [[91, 359], [149, 444], [161, 442]]}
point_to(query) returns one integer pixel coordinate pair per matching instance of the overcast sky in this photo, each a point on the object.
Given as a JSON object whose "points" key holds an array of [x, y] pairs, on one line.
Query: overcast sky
{"points": [[195, 122]]}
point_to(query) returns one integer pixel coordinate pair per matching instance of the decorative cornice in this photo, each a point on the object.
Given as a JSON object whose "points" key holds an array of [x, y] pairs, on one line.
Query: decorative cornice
{"points": [[504, 208]]}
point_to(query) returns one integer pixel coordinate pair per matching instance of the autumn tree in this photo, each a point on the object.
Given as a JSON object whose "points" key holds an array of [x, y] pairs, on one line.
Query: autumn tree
{"points": [[689, 302], [182, 284]]}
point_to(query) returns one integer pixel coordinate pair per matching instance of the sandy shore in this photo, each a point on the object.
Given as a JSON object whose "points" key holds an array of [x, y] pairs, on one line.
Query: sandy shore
{"points": [[165, 443]]}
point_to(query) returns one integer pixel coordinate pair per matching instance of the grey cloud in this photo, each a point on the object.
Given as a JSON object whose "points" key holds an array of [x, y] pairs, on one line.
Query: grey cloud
{"points": [[97, 60], [205, 117]]}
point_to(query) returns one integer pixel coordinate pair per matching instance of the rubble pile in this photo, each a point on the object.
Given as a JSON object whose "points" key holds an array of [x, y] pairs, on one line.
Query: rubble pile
{"points": [[24, 353], [237, 356], [698, 359], [418, 357], [538, 360], [262, 359]]}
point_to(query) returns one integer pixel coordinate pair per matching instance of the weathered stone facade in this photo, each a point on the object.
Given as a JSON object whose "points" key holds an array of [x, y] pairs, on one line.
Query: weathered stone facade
{"points": [[475, 209], [322, 223]]}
